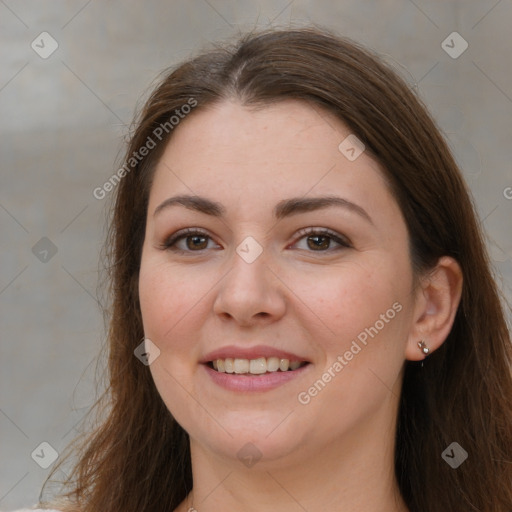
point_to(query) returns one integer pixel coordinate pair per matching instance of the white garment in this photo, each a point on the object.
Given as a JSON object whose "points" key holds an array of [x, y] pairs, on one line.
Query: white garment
{"points": [[35, 510]]}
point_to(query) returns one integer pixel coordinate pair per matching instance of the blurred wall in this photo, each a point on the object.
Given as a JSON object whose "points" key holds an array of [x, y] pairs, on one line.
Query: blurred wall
{"points": [[71, 74]]}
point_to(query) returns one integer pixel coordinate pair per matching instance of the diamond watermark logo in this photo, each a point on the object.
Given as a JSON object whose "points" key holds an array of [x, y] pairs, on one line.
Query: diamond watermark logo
{"points": [[454, 45], [249, 455], [44, 45], [249, 250], [351, 147], [44, 455], [147, 352], [44, 250], [454, 455]]}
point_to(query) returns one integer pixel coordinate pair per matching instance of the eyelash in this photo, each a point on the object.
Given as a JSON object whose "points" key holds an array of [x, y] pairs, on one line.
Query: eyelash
{"points": [[170, 243]]}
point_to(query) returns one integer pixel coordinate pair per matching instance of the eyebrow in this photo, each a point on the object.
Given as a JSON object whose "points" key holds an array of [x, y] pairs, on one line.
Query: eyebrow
{"points": [[285, 208]]}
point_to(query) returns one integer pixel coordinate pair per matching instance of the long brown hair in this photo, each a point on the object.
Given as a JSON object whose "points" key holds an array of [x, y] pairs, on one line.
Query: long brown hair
{"points": [[138, 457]]}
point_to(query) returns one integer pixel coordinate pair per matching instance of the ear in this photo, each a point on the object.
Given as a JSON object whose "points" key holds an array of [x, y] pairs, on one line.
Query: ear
{"points": [[437, 300]]}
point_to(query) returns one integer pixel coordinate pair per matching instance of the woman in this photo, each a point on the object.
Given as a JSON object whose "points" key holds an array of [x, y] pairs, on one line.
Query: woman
{"points": [[303, 312]]}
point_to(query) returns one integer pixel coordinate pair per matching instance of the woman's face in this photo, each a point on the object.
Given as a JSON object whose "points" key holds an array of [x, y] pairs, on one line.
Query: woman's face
{"points": [[256, 286]]}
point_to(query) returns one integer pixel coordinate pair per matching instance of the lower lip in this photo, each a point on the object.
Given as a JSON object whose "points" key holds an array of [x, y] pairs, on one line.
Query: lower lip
{"points": [[263, 382]]}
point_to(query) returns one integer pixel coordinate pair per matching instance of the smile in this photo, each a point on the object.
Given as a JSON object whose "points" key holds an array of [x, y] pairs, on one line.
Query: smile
{"points": [[258, 366]]}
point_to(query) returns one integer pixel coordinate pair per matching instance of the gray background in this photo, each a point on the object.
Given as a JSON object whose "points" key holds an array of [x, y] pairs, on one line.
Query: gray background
{"points": [[62, 123]]}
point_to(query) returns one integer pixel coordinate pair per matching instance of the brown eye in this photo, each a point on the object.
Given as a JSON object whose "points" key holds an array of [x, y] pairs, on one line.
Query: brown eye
{"points": [[320, 240], [195, 241]]}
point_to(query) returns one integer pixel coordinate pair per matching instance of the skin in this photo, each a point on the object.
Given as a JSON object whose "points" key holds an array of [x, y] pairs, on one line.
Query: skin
{"points": [[335, 452]]}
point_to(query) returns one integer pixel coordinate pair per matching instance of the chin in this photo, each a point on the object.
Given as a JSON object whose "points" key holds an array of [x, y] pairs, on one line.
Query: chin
{"points": [[267, 438]]}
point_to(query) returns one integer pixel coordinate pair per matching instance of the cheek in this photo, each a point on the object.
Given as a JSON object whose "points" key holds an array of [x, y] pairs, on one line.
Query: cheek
{"points": [[173, 303], [165, 294], [366, 310], [345, 301], [155, 299]]}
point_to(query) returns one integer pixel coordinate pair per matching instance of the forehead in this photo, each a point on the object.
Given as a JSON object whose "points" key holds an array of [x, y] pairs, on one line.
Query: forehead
{"points": [[290, 148], [229, 132]]}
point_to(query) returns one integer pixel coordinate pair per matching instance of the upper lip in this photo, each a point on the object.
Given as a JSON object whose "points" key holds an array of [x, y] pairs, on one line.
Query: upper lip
{"points": [[234, 352]]}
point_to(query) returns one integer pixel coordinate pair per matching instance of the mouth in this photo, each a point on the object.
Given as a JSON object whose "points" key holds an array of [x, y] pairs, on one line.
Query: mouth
{"points": [[259, 368], [255, 367]]}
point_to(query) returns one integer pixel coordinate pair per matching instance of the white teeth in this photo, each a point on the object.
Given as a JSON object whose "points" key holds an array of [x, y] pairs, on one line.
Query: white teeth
{"points": [[284, 364], [272, 364], [241, 365], [257, 366], [229, 365]]}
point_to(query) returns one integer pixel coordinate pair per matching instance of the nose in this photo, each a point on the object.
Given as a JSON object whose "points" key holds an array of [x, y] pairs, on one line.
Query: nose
{"points": [[250, 292]]}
